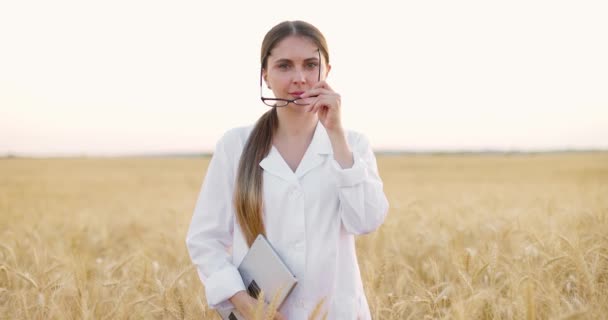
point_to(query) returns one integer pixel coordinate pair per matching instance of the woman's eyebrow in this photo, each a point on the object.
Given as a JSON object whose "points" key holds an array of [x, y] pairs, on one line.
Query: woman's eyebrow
{"points": [[282, 61], [290, 61]]}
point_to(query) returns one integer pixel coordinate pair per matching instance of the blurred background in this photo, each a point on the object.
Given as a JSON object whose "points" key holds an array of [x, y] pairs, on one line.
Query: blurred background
{"points": [[156, 77], [86, 234]]}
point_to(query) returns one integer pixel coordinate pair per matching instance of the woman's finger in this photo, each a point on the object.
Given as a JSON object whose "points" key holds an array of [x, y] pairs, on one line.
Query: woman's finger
{"points": [[318, 104], [315, 92], [323, 84], [306, 100]]}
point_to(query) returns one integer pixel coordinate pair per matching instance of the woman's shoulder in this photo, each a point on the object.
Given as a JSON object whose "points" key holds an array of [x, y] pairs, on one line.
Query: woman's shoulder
{"points": [[353, 135], [356, 139], [237, 134], [234, 139]]}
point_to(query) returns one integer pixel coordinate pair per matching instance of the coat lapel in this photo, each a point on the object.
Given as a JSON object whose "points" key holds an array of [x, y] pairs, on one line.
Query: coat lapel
{"points": [[317, 151], [276, 165], [315, 154]]}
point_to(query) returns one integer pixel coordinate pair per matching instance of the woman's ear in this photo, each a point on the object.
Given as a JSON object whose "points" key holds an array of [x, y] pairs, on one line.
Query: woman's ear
{"points": [[327, 71], [265, 77]]}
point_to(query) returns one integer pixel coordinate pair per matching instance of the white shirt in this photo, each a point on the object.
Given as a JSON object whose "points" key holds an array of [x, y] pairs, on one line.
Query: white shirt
{"points": [[311, 217]]}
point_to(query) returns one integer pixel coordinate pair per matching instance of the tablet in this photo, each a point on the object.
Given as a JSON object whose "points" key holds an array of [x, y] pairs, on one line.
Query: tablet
{"points": [[262, 269]]}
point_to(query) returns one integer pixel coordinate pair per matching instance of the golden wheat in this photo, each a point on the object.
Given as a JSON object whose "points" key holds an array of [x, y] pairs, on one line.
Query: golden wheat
{"points": [[467, 237]]}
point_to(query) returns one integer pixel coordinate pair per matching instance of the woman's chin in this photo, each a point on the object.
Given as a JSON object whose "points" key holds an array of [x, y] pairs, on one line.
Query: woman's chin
{"points": [[295, 107]]}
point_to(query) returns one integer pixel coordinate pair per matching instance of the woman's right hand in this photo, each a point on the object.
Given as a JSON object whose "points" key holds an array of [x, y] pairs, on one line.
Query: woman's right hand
{"points": [[247, 305]]}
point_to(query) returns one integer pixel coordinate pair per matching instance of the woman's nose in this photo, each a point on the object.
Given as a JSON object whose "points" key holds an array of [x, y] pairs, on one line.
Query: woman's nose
{"points": [[299, 76]]}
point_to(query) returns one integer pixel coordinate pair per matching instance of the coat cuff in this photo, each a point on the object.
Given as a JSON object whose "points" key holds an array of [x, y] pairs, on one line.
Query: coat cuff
{"points": [[353, 175], [221, 286]]}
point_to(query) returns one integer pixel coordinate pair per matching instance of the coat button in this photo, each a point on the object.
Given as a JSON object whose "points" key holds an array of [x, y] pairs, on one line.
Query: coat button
{"points": [[295, 193], [299, 303], [299, 245]]}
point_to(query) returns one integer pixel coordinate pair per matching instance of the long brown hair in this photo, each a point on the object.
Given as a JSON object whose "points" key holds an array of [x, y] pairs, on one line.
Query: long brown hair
{"points": [[248, 194]]}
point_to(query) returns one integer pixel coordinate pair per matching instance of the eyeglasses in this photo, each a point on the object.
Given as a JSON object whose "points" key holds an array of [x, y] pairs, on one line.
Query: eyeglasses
{"points": [[278, 102]]}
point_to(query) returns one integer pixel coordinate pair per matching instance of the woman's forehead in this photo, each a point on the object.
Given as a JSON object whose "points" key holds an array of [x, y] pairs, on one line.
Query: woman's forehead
{"points": [[295, 48]]}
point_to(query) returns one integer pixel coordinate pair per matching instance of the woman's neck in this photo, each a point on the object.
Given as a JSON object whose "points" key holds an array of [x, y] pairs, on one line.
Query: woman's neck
{"points": [[295, 124]]}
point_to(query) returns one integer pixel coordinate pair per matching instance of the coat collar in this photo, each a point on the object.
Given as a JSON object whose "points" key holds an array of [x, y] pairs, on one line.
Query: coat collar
{"points": [[318, 149], [320, 143]]}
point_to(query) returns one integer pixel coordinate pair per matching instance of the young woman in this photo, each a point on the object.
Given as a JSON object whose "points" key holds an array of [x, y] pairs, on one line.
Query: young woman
{"points": [[297, 177]]}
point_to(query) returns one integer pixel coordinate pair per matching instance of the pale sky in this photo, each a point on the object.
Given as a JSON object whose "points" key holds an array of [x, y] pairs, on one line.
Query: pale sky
{"points": [[130, 77]]}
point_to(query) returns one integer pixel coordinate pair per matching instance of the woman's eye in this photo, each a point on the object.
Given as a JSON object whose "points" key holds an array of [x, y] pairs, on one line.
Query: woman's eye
{"points": [[312, 65], [283, 66]]}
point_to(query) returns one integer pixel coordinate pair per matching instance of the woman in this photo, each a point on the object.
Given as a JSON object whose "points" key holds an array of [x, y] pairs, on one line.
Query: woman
{"points": [[298, 178]]}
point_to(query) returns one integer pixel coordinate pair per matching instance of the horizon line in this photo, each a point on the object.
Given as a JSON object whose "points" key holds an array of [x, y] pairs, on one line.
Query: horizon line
{"points": [[383, 152]]}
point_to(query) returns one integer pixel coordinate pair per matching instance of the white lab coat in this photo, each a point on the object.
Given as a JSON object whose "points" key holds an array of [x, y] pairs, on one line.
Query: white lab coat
{"points": [[311, 218]]}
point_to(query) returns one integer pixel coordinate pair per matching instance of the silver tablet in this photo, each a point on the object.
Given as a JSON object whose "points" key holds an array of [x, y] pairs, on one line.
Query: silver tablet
{"points": [[263, 270]]}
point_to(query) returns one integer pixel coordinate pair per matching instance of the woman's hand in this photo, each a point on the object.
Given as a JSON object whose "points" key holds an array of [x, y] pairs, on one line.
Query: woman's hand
{"points": [[247, 305], [326, 103]]}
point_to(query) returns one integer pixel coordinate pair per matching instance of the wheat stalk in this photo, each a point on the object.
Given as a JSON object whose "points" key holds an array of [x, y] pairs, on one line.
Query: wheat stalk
{"points": [[530, 304], [316, 311], [28, 278]]}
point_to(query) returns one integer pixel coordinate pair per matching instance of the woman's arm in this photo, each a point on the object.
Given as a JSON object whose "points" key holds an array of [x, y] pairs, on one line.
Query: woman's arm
{"points": [[210, 233], [363, 204]]}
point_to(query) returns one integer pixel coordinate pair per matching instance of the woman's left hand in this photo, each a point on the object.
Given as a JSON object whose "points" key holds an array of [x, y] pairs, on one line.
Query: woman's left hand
{"points": [[326, 104]]}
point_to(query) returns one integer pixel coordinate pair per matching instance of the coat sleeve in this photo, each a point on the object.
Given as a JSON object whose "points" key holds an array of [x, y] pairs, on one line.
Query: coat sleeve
{"points": [[363, 204], [209, 237]]}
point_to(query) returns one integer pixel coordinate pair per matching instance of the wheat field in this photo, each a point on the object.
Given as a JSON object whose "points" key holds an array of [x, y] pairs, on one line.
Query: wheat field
{"points": [[519, 236]]}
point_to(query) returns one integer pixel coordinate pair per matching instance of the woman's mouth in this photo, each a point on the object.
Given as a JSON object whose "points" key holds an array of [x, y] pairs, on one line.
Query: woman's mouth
{"points": [[296, 93]]}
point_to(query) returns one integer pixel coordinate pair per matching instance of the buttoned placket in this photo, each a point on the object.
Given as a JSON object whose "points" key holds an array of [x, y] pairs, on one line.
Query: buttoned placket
{"points": [[298, 243], [316, 155]]}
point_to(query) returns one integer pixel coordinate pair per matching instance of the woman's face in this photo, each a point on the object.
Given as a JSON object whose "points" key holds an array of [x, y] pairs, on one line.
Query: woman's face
{"points": [[293, 67]]}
